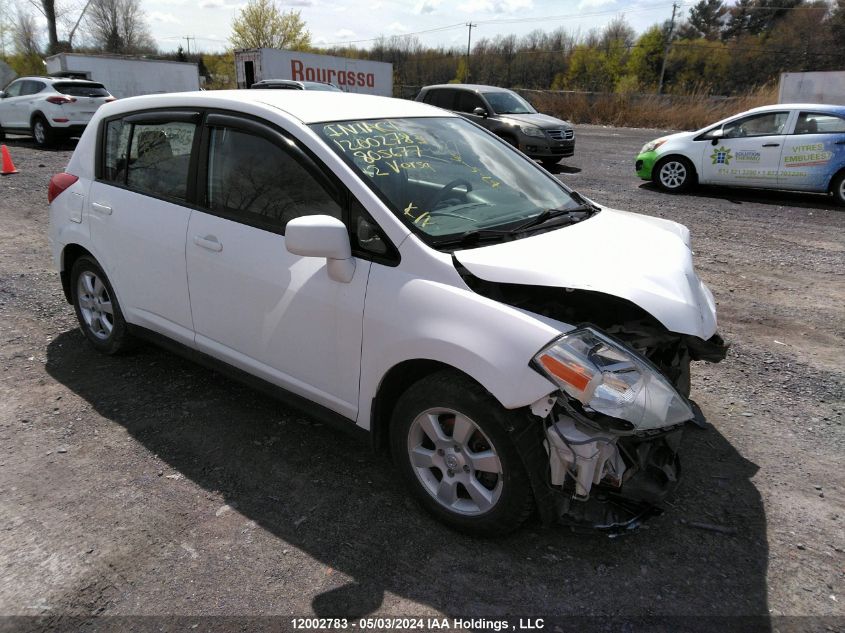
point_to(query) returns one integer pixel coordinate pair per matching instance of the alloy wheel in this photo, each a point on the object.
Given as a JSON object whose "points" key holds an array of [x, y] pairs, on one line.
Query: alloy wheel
{"points": [[673, 174], [455, 461], [95, 305], [39, 132]]}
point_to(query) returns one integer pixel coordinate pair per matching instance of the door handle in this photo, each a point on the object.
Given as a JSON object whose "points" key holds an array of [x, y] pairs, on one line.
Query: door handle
{"points": [[771, 144], [208, 242], [102, 208], [839, 143]]}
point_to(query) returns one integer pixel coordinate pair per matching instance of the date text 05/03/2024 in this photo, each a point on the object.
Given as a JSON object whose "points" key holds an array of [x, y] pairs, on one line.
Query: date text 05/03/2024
{"points": [[418, 624]]}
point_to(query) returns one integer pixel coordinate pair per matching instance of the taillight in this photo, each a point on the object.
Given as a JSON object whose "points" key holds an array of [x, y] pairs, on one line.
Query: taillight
{"points": [[58, 184], [60, 99]]}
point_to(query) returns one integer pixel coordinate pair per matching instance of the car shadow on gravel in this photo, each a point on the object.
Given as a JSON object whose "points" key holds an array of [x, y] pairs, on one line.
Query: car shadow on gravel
{"points": [[327, 495], [758, 196], [26, 141], [563, 169]]}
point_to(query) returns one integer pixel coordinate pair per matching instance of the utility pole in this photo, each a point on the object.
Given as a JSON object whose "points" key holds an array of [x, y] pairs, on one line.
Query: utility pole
{"points": [[188, 39], [469, 39], [675, 7]]}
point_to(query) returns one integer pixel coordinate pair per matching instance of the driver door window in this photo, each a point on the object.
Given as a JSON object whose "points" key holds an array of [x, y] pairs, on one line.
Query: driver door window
{"points": [[766, 124], [253, 181]]}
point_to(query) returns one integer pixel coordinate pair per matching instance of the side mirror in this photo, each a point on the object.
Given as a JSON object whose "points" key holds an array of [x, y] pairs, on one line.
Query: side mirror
{"points": [[2, 95], [716, 135], [480, 112], [322, 236]]}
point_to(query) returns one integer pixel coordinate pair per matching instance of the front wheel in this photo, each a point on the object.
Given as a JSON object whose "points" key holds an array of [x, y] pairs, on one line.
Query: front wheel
{"points": [[837, 188], [97, 309], [674, 174], [448, 440]]}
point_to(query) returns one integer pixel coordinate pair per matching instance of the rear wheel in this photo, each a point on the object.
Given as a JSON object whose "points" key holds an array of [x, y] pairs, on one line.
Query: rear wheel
{"points": [[97, 309], [42, 133], [674, 174], [838, 188], [448, 439]]}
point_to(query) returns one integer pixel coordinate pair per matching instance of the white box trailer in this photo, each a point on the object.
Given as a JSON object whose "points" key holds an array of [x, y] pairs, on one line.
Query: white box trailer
{"points": [[350, 75], [813, 87], [128, 76]]}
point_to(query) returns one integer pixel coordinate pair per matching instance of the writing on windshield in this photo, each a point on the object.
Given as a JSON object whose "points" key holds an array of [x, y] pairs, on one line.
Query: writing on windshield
{"points": [[443, 175]]}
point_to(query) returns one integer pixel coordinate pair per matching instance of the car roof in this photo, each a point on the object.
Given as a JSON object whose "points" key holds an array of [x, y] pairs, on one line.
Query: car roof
{"points": [[837, 109], [290, 82], [307, 106], [60, 79], [474, 87]]}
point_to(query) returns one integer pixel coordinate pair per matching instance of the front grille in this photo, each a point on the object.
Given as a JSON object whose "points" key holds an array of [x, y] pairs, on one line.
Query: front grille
{"points": [[561, 135]]}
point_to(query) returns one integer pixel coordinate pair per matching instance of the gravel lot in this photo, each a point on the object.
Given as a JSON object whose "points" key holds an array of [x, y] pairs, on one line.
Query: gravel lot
{"points": [[147, 485]]}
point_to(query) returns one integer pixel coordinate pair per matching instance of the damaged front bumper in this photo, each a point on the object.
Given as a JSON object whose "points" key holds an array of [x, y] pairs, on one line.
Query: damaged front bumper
{"points": [[609, 440], [608, 482]]}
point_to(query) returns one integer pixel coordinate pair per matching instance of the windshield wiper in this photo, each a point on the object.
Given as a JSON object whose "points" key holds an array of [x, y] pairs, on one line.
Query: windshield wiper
{"points": [[562, 217], [554, 217]]}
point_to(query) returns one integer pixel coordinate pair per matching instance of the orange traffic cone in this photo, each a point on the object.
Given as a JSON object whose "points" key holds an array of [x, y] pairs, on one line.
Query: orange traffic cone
{"points": [[8, 165]]}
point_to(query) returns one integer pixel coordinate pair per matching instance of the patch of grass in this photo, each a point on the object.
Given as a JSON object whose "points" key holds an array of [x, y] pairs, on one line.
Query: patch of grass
{"points": [[674, 112]]}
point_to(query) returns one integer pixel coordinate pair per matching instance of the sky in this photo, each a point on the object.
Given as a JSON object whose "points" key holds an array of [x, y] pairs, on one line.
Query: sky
{"points": [[360, 21]]}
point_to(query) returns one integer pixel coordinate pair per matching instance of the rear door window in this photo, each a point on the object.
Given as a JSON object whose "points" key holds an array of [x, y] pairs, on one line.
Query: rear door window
{"points": [[442, 98], [159, 157], [816, 123], [151, 157], [31, 87]]}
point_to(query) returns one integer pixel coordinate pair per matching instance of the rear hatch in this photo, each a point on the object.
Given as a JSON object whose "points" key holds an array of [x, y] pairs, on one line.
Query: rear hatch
{"points": [[86, 97]]}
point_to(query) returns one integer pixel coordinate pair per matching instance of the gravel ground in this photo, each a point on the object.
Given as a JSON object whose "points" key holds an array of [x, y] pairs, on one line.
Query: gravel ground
{"points": [[146, 485]]}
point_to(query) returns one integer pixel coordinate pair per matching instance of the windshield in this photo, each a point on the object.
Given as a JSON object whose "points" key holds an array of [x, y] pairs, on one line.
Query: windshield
{"points": [[508, 103], [445, 176]]}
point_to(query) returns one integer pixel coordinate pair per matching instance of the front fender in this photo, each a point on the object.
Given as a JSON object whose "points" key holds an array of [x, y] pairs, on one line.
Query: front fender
{"points": [[408, 318]]}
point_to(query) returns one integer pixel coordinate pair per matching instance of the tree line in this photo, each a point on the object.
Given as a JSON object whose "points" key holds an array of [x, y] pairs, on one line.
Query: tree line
{"points": [[716, 48]]}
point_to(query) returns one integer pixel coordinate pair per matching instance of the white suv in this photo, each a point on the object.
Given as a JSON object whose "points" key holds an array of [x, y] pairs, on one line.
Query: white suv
{"points": [[49, 108], [391, 265]]}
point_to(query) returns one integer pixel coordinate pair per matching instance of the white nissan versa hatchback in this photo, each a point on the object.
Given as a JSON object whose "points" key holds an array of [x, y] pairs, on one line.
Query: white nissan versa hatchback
{"points": [[515, 345]]}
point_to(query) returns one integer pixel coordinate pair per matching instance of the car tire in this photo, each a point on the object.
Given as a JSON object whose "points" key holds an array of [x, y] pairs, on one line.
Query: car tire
{"points": [[837, 188], [449, 441], [2, 134], [97, 309], [674, 174], [42, 133]]}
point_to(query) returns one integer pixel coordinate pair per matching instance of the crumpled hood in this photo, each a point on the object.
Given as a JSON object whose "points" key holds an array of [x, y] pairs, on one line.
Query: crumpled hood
{"points": [[642, 259], [541, 120]]}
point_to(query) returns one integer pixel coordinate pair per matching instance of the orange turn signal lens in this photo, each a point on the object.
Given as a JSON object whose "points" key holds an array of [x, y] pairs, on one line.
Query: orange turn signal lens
{"points": [[570, 373]]}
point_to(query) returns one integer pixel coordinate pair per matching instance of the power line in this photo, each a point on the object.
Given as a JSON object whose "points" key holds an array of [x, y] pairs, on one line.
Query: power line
{"points": [[550, 18]]}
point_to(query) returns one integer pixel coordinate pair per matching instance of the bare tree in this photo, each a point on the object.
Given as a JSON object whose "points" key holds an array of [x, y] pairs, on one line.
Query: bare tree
{"points": [[118, 26], [25, 35]]}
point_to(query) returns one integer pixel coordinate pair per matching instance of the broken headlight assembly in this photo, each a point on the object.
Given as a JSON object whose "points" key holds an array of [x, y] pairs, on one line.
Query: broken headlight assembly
{"points": [[608, 378]]}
